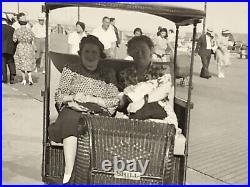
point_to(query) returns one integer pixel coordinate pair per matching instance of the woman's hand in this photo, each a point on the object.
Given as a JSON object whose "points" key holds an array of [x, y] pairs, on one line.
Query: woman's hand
{"points": [[135, 106], [80, 97], [76, 106], [67, 98]]}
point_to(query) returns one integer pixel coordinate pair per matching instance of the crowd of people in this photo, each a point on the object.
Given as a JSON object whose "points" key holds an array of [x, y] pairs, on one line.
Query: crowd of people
{"points": [[23, 47], [211, 44]]}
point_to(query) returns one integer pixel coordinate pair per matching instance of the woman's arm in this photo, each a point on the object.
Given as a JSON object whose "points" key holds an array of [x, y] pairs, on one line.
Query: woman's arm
{"points": [[103, 102], [62, 94], [108, 98], [15, 38]]}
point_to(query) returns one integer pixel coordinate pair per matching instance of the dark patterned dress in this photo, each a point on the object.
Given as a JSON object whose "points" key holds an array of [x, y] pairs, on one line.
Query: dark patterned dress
{"points": [[155, 76], [25, 52], [76, 79]]}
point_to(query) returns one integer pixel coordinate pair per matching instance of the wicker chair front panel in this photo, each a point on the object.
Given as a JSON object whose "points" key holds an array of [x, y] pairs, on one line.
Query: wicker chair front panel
{"points": [[126, 140]]}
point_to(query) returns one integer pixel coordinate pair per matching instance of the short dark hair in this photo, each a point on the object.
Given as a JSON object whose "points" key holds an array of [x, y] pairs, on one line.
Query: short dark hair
{"points": [[94, 40], [82, 25], [105, 17], [112, 19], [164, 30], [143, 38], [21, 14], [138, 30]]}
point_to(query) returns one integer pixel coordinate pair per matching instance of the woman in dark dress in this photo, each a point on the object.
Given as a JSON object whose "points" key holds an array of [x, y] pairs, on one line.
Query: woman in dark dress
{"points": [[81, 86]]}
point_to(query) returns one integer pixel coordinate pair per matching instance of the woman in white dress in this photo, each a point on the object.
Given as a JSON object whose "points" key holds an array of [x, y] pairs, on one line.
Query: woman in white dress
{"points": [[222, 53]]}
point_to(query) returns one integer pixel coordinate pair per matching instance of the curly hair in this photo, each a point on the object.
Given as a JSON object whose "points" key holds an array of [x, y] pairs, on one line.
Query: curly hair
{"points": [[164, 30], [93, 40], [138, 30], [135, 39]]}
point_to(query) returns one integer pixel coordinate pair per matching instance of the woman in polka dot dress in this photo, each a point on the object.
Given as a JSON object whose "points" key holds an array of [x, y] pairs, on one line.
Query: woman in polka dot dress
{"points": [[25, 51], [82, 86]]}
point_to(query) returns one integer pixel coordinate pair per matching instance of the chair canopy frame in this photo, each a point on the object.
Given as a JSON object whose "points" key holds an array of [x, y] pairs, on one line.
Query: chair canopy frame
{"points": [[179, 15]]}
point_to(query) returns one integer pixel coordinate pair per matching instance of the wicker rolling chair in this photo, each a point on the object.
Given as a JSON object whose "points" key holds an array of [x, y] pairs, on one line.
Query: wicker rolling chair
{"points": [[102, 138], [126, 140]]}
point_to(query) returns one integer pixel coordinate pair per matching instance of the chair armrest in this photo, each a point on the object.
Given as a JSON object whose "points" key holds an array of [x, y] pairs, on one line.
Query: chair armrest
{"points": [[182, 102]]}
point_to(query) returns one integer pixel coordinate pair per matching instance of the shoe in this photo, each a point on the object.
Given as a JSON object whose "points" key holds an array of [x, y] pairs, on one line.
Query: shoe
{"points": [[12, 79], [205, 77], [31, 82], [23, 82], [221, 76]]}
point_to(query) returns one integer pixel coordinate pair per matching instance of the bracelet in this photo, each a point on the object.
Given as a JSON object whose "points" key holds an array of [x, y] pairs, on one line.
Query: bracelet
{"points": [[146, 99]]}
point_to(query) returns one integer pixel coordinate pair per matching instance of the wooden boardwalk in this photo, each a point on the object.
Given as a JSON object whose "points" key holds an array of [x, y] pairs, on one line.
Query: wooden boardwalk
{"points": [[219, 126]]}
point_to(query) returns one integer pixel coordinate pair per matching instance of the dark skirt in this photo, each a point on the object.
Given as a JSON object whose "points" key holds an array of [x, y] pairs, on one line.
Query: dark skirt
{"points": [[65, 125], [68, 120]]}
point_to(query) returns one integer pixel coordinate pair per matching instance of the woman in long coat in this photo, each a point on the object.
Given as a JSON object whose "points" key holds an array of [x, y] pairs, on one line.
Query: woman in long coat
{"points": [[222, 53]]}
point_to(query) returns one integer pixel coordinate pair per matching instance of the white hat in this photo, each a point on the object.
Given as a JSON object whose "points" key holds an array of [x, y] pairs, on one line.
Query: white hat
{"points": [[41, 16], [225, 31]]}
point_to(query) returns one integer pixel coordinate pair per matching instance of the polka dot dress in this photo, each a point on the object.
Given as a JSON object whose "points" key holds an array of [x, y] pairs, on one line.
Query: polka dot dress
{"points": [[76, 78]]}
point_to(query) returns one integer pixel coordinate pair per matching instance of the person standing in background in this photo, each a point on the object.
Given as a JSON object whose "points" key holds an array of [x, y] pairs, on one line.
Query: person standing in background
{"points": [[8, 50], [107, 36], [138, 32], [25, 52], [118, 40], [222, 53], [204, 49], [16, 24], [39, 30], [158, 32], [162, 48], [75, 38]]}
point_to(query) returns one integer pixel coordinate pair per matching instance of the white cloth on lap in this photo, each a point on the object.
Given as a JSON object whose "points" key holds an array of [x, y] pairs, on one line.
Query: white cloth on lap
{"points": [[137, 92]]}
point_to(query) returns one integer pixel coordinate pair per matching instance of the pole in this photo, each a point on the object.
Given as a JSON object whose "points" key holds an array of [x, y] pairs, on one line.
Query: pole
{"points": [[175, 56], [204, 19], [78, 18], [18, 8], [46, 98], [189, 100]]}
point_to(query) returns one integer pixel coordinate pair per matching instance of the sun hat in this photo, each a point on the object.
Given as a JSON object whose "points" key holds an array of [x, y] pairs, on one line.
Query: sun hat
{"points": [[41, 16], [225, 31]]}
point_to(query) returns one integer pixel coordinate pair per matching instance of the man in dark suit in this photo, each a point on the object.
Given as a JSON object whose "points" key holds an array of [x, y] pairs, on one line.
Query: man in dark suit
{"points": [[118, 41], [204, 49], [8, 50]]}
